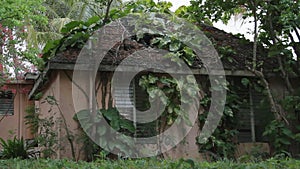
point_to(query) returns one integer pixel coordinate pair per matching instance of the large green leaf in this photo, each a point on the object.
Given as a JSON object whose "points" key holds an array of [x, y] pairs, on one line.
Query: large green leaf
{"points": [[92, 20], [111, 114], [101, 130], [126, 124], [71, 25]]}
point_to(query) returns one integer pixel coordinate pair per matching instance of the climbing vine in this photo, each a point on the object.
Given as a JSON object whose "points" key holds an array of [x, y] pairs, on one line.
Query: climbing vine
{"points": [[223, 141], [95, 125]]}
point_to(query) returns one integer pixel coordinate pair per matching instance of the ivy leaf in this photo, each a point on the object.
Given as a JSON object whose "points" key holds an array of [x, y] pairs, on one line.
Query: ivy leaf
{"points": [[245, 81], [152, 92], [283, 141], [170, 121], [115, 124], [189, 51], [155, 41], [174, 46], [164, 41], [230, 59], [110, 114], [152, 79], [87, 125], [287, 132], [297, 137], [126, 124]]}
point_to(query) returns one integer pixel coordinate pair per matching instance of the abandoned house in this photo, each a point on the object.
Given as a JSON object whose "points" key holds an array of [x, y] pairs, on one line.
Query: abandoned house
{"points": [[56, 81]]}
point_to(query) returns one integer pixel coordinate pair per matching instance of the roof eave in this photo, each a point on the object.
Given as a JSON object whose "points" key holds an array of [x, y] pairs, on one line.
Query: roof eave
{"points": [[39, 81]]}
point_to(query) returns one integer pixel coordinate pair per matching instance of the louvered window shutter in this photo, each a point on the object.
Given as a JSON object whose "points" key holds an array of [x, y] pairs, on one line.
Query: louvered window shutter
{"points": [[261, 112], [129, 99], [6, 103]]}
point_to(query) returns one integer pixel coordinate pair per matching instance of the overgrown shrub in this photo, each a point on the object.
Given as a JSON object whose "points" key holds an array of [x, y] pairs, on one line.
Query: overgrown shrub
{"points": [[148, 163], [14, 148]]}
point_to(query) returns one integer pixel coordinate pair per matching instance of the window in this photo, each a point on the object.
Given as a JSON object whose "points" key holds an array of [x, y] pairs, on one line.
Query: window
{"points": [[254, 113], [6, 103], [138, 98]]}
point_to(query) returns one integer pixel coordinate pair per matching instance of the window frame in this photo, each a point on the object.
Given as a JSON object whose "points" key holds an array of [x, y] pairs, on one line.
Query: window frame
{"points": [[7, 96], [133, 107]]}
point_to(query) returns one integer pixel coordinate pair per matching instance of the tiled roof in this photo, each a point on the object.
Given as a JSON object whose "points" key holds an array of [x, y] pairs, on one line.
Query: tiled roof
{"points": [[238, 57]]}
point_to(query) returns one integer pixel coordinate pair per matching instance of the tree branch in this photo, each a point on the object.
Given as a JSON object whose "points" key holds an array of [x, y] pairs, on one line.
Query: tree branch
{"points": [[86, 96], [105, 20]]}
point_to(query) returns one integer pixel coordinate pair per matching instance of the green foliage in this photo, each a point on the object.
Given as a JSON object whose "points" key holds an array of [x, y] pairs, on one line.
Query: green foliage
{"points": [[43, 131], [32, 119], [168, 89], [140, 6], [90, 148], [16, 16], [292, 104], [222, 143], [278, 18], [178, 49], [14, 148], [226, 52], [280, 136], [47, 137], [76, 33], [118, 123], [255, 155], [148, 163], [15, 12]]}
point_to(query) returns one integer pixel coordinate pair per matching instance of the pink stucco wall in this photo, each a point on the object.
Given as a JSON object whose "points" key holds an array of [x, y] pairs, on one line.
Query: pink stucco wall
{"points": [[60, 87], [14, 125]]}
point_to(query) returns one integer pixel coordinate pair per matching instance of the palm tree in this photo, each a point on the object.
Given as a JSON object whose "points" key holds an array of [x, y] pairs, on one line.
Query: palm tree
{"points": [[61, 12]]}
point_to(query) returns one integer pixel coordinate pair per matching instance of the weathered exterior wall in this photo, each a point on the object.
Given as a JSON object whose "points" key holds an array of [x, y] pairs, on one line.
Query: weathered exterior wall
{"points": [[43, 108], [67, 109], [188, 148], [278, 87], [60, 86], [63, 111], [14, 125]]}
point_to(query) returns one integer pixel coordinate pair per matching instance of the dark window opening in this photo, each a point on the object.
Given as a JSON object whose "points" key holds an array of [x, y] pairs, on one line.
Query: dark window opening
{"points": [[6, 103], [130, 101], [253, 115]]}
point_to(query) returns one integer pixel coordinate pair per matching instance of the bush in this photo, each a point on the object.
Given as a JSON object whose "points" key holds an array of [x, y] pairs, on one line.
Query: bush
{"points": [[147, 163], [14, 148]]}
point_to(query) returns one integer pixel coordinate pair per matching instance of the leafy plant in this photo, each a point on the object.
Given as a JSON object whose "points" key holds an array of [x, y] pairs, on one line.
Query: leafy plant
{"points": [[32, 119], [221, 144], [47, 137], [280, 136], [14, 148], [114, 119], [150, 163], [43, 128]]}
